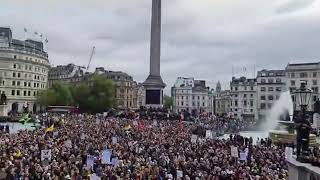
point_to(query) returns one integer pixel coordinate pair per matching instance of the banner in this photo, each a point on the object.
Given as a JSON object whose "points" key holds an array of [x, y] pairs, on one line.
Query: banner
{"points": [[234, 151], [209, 134], [46, 155], [114, 162], [106, 157]]}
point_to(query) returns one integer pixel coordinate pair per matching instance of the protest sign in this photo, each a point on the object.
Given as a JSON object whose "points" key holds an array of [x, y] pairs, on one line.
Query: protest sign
{"points": [[288, 153], [106, 157], [68, 144], [114, 162], [179, 174], [194, 138], [114, 140], [234, 151], [90, 161], [46, 155], [209, 134], [243, 156]]}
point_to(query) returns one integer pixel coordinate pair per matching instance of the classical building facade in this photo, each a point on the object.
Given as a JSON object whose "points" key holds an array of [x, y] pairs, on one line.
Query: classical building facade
{"points": [[24, 67], [243, 93], [126, 88], [222, 101], [307, 72], [192, 95], [270, 84], [70, 73]]}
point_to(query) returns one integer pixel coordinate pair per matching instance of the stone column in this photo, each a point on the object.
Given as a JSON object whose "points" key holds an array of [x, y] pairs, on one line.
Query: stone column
{"points": [[155, 46]]}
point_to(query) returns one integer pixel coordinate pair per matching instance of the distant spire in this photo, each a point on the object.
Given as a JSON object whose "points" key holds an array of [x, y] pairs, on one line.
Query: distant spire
{"points": [[218, 87]]}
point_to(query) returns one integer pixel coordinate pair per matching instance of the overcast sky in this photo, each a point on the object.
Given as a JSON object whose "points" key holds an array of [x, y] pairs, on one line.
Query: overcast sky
{"points": [[200, 38]]}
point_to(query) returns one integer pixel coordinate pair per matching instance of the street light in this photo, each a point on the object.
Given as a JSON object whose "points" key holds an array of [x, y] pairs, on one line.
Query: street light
{"points": [[303, 96]]}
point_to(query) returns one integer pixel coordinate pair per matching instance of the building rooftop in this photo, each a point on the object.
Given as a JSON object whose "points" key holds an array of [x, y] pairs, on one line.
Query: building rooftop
{"points": [[243, 81], [65, 71], [28, 46], [271, 73]]}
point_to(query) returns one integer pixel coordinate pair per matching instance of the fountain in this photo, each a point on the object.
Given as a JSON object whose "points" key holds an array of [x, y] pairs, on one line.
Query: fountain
{"points": [[279, 122]]}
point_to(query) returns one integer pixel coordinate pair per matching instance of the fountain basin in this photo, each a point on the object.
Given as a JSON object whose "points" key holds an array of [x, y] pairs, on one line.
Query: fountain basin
{"points": [[284, 137]]}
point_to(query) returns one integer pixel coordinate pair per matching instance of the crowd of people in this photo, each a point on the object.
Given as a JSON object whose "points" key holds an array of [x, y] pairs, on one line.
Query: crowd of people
{"points": [[139, 148]]}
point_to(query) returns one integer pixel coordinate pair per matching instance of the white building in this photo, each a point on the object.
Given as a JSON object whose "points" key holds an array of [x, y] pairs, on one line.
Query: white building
{"points": [[222, 101], [244, 98], [308, 72], [192, 96], [141, 94], [270, 84], [23, 70]]}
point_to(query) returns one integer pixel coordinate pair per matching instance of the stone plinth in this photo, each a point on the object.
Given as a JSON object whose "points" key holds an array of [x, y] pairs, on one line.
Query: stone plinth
{"points": [[4, 110], [302, 171]]}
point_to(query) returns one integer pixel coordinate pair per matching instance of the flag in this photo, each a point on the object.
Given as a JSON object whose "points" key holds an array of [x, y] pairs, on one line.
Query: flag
{"points": [[25, 29], [18, 154], [25, 118], [46, 40], [50, 129]]}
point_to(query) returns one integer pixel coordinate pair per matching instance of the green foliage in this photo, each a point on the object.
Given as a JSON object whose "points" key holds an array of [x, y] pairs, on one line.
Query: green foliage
{"points": [[94, 96], [58, 95], [168, 102]]}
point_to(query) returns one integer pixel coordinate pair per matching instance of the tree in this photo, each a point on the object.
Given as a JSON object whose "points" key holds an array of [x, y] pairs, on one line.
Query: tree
{"points": [[58, 95], [168, 102], [96, 96]]}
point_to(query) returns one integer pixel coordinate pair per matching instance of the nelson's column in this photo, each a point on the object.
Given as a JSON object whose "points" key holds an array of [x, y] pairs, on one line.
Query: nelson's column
{"points": [[154, 85]]}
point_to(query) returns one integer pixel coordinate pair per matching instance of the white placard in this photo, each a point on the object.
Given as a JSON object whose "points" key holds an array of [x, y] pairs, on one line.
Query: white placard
{"points": [[179, 174], [288, 153], [83, 136], [55, 133], [90, 161], [68, 144], [234, 151], [194, 138], [105, 114], [106, 157], [95, 177], [155, 123], [114, 140], [135, 123], [46, 155], [243, 156], [209, 134]]}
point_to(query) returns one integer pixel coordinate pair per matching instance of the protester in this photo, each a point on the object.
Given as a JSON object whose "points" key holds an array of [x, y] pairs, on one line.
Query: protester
{"points": [[137, 148]]}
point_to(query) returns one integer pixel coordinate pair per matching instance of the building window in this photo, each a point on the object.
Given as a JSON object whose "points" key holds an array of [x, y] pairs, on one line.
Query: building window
{"points": [[270, 80], [236, 103], [244, 103], [292, 75], [251, 103], [15, 56], [202, 97], [314, 74], [236, 109], [203, 104], [315, 89], [293, 83], [182, 103], [251, 110], [14, 66], [263, 74], [30, 67], [236, 88], [245, 88], [236, 95], [278, 80], [270, 89], [263, 106], [270, 97], [34, 85], [292, 89], [263, 80], [29, 84], [303, 75], [29, 93], [34, 93], [18, 83], [269, 105], [198, 97], [251, 95], [278, 89], [245, 95], [263, 97], [24, 84], [314, 98], [251, 88], [182, 97], [13, 92], [192, 97], [25, 67], [24, 93], [13, 83], [19, 75], [13, 74], [263, 89], [314, 82]]}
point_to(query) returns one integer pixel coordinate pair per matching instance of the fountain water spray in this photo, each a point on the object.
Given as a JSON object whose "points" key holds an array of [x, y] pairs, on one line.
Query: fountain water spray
{"points": [[279, 108]]}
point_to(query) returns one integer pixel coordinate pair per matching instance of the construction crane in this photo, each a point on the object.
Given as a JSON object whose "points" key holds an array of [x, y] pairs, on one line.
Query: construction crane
{"points": [[92, 53]]}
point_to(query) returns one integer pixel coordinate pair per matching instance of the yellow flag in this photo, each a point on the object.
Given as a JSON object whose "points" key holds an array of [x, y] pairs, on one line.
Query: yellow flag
{"points": [[50, 129], [18, 154]]}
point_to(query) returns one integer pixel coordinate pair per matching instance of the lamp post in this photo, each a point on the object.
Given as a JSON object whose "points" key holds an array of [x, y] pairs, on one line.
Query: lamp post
{"points": [[303, 127]]}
